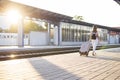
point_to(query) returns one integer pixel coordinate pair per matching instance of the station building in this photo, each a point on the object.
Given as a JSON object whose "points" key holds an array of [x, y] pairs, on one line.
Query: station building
{"points": [[59, 30]]}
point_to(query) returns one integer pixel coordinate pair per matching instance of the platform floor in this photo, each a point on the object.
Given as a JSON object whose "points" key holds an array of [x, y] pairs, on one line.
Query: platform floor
{"points": [[104, 66]]}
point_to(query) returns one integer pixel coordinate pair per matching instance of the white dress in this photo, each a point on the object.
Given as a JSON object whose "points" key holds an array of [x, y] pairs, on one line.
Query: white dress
{"points": [[94, 42]]}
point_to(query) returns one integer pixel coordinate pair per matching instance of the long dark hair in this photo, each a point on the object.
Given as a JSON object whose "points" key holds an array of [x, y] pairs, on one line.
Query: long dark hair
{"points": [[94, 28]]}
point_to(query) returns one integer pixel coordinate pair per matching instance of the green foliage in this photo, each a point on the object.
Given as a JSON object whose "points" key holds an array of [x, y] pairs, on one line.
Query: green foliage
{"points": [[1, 29], [103, 47], [78, 18], [32, 26], [13, 29], [29, 25]]}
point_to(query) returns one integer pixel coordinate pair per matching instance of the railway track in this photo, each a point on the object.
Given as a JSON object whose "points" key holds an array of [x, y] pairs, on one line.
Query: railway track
{"points": [[7, 55]]}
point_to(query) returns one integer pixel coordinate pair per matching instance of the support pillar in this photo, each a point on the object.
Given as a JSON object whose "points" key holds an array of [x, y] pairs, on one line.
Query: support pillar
{"points": [[20, 33], [58, 35], [49, 26]]}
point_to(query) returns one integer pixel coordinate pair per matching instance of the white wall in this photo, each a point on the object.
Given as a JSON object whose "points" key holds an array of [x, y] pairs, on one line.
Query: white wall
{"points": [[34, 38], [11, 39], [8, 39], [38, 38], [41, 38]]}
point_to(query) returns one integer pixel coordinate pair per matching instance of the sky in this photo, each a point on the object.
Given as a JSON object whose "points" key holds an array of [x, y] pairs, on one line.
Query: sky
{"points": [[102, 12]]}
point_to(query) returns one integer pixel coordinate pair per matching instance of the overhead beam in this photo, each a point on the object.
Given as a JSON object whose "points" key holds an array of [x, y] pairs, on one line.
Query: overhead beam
{"points": [[118, 1]]}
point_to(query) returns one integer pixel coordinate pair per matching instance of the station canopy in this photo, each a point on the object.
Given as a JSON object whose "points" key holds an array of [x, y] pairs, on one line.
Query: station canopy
{"points": [[31, 11], [118, 1]]}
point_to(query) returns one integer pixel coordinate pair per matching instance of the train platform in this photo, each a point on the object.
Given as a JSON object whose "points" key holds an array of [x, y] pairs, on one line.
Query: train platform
{"points": [[104, 66], [25, 48], [8, 52]]}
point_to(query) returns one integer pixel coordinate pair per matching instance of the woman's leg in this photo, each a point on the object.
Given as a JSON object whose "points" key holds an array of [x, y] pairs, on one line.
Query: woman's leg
{"points": [[94, 46]]}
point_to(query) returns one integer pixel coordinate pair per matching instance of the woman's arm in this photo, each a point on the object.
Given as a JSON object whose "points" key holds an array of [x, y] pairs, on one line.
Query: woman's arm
{"points": [[90, 37]]}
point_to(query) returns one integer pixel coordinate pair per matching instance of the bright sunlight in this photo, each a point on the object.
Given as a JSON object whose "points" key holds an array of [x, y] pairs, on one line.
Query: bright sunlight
{"points": [[13, 16], [12, 56]]}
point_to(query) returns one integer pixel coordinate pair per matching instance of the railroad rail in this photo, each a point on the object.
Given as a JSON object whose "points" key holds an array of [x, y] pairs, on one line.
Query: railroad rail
{"points": [[17, 54]]}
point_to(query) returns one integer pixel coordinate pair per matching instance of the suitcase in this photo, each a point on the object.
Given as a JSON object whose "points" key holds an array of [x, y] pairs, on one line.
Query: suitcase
{"points": [[85, 48]]}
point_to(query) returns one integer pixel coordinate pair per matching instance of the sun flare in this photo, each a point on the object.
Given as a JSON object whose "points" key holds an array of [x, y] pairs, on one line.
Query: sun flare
{"points": [[13, 16], [12, 56]]}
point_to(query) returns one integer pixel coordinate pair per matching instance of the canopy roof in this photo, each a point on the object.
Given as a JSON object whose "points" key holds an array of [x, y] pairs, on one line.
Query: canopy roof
{"points": [[32, 11], [118, 1]]}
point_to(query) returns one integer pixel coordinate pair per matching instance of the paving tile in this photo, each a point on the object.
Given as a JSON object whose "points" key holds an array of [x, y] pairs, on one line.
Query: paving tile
{"points": [[104, 66]]}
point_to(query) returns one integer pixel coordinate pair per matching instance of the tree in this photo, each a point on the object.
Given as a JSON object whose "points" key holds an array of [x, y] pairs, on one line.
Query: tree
{"points": [[32, 26], [13, 28], [28, 26], [78, 18], [1, 30]]}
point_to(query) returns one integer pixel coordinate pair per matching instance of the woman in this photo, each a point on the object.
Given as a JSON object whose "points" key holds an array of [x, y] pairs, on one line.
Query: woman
{"points": [[94, 39]]}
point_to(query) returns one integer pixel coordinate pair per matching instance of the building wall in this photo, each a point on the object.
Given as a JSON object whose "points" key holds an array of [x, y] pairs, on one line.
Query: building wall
{"points": [[34, 38], [74, 34], [41, 38], [114, 39], [11, 39], [38, 38]]}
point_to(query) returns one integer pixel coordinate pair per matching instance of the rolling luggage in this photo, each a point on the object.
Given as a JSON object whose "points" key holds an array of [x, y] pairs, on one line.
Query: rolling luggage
{"points": [[84, 49]]}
